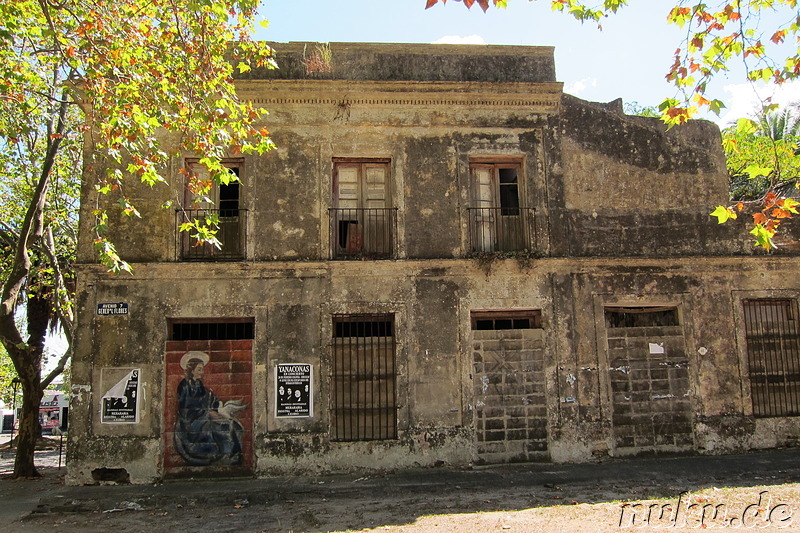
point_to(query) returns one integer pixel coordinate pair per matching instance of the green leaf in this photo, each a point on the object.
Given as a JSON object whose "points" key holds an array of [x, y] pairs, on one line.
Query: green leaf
{"points": [[746, 126], [763, 237], [791, 205], [756, 171], [723, 214]]}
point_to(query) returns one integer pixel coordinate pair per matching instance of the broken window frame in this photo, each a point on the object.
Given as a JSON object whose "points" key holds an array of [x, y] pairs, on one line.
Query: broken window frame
{"points": [[499, 219], [226, 204], [359, 229]]}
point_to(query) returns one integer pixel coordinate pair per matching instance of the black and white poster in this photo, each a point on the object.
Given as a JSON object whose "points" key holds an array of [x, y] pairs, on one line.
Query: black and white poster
{"points": [[120, 403], [293, 387]]}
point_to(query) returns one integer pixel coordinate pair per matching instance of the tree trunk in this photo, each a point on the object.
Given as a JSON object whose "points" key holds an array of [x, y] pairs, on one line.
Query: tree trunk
{"points": [[29, 427], [30, 373]]}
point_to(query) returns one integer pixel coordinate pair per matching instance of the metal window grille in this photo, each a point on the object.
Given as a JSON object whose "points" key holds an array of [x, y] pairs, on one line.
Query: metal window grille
{"points": [[641, 317], [502, 229], [363, 233], [773, 356], [506, 319], [197, 331], [229, 223], [363, 388]]}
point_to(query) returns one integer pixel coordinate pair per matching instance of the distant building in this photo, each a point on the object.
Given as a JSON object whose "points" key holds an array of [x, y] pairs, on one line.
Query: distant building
{"points": [[53, 413], [446, 260]]}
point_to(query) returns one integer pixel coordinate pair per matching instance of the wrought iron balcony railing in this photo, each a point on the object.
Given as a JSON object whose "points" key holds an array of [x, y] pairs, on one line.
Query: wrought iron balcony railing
{"points": [[363, 233], [502, 229], [231, 225]]}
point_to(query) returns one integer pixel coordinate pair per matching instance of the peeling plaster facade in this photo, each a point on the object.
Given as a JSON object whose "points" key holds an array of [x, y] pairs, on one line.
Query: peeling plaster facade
{"points": [[461, 264]]}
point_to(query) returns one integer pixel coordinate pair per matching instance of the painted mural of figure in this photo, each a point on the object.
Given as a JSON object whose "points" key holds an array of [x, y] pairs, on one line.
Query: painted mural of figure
{"points": [[206, 432]]}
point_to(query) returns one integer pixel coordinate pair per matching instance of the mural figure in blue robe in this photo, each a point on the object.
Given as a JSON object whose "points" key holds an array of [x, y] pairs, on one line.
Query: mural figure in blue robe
{"points": [[206, 432]]}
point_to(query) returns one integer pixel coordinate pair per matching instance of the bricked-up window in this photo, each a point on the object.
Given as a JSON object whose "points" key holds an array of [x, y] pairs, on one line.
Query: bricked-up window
{"points": [[196, 330], [641, 317], [363, 396], [483, 320], [773, 356]]}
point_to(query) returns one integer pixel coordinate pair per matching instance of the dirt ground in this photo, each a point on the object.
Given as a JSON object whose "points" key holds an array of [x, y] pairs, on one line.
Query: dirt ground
{"points": [[754, 491], [546, 510]]}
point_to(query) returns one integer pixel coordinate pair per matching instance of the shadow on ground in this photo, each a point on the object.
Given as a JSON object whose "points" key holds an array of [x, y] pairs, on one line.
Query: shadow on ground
{"points": [[353, 502]]}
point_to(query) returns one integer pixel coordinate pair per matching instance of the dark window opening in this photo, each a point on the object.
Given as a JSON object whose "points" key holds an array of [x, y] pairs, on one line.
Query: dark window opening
{"points": [[202, 331], [348, 232], [229, 197], [354, 327], [498, 218], [222, 211], [641, 317], [503, 320], [509, 192]]}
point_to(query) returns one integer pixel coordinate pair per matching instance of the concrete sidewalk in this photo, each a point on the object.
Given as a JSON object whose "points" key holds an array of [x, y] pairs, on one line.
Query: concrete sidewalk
{"points": [[607, 481]]}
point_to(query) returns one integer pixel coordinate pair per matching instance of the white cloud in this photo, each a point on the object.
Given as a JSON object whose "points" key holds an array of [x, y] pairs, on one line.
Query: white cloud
{"points": [[743, 99], [458, 39], [576, 88]]}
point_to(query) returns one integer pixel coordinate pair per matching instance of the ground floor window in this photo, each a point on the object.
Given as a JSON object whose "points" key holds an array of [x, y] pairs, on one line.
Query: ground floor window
{"points": [[773, 356], [641, 317], [487, 320], [363, 378]]}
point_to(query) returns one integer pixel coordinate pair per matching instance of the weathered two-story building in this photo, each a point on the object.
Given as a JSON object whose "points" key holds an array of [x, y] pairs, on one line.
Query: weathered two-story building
{"points": [[446, 260]]}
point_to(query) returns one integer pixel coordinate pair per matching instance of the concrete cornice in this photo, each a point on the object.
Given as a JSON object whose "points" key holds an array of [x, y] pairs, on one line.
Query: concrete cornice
{"points": [[543, 96]]}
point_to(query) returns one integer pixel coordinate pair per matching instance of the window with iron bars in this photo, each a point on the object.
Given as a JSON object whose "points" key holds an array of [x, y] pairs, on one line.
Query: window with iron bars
{"points": [[773, 356], [499, 221], [641, 317], [222, 212], [201, 329], [497, 320], [363, 378], [363, 222]]}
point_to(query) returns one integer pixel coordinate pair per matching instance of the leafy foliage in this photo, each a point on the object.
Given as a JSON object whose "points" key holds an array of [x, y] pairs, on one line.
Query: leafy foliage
{"points": [[139, 68], [634, 108], [7, 374], [101, 85], [715, 36], [764, 169]]}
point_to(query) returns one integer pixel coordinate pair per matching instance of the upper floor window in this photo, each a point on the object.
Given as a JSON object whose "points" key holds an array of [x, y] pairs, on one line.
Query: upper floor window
{"points": [[498, 218], [363, 222], [221, 210]]}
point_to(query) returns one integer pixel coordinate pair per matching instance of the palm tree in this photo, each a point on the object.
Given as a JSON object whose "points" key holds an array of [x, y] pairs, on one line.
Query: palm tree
{"points": [[780, 124]]}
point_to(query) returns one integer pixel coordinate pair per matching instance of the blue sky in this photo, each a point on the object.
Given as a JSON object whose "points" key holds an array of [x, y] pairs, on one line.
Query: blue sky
{"points": [[627, 60]]}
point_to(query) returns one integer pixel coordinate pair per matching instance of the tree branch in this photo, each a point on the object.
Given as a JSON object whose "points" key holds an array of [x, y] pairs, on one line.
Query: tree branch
{"points": [[8, 235], [32, 224], [62, 307], [59, 369]]}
